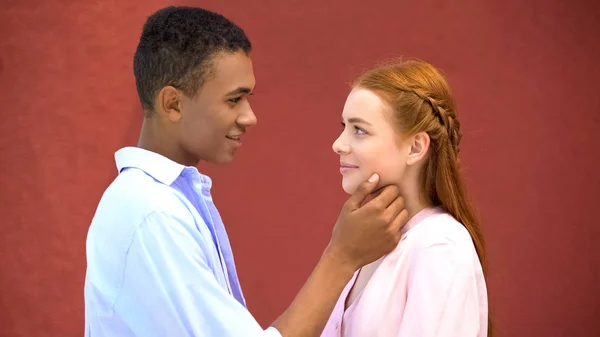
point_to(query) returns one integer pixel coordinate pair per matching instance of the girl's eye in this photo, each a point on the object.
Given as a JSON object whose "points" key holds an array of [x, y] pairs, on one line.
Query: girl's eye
{"points": [[359, 131]]}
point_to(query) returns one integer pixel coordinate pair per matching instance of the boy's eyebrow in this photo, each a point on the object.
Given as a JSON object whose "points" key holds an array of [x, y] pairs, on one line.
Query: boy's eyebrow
{"points": [[240, 90]]}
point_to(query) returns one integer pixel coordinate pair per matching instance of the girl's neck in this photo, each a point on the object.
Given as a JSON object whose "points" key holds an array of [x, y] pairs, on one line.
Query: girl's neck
{"points": [[414, 200]]}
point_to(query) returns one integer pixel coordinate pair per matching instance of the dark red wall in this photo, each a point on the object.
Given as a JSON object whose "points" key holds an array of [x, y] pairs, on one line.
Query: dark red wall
{"points": [[525, 75]]}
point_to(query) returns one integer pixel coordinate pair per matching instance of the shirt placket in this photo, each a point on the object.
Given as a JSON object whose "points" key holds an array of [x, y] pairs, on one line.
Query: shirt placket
{"points": [[200, 190]]}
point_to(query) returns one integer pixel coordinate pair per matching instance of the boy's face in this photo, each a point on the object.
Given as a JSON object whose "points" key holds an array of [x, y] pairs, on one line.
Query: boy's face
{"points": [[213, 121]]}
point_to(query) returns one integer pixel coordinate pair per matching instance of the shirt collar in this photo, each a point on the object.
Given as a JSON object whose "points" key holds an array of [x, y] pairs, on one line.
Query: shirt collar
{"points": [[420, 216], [158, 166]]}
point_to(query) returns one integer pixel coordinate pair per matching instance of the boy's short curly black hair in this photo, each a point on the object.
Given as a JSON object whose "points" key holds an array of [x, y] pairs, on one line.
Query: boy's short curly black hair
{"points": [[176, 47]]}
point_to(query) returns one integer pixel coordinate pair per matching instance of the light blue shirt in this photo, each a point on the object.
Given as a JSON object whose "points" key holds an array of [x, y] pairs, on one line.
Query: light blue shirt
{"points": [[159, 261]]}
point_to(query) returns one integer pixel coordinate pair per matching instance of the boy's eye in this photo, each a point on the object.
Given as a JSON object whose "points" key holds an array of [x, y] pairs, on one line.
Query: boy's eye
{"points": [[235, 100]]}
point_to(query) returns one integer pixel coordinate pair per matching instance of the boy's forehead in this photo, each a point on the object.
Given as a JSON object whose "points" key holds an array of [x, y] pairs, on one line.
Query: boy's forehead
{"points": [[229, 72], [232, 70], [232, 64]]}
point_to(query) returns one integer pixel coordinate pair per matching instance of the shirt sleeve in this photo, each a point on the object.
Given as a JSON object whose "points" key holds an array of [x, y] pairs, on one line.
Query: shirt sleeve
{"points": [[442, 295], [169, 289]]}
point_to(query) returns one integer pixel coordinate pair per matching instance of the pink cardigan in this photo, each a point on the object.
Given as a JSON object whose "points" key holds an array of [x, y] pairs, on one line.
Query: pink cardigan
{"points": [[431, 285]]}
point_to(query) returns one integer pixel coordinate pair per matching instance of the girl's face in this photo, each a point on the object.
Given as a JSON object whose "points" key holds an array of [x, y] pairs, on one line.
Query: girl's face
{"points": [[369, 143]]}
